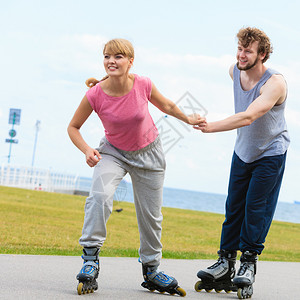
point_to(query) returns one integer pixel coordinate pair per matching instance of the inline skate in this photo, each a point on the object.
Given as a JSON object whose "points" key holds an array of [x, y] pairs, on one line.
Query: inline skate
{"points": [[245, 277], [157, 280], [89, 271], [219, 275]]}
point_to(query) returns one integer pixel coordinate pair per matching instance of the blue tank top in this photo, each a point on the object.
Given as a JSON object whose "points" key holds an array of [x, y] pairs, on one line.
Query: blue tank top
{"points": [[266, 136]]}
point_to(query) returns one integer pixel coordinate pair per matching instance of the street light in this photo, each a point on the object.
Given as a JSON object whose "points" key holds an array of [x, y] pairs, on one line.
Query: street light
{"points": [[37, 128]]}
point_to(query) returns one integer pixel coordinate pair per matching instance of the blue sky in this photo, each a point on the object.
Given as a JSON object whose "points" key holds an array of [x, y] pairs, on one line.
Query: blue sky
{"points": [[49, 48]]}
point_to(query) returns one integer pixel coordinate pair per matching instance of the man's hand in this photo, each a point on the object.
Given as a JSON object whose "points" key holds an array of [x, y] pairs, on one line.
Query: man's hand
{"points": [[204, 127]]}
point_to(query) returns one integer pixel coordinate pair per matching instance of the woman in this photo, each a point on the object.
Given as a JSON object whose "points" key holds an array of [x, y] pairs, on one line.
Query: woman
{"points": [[131, 145]]}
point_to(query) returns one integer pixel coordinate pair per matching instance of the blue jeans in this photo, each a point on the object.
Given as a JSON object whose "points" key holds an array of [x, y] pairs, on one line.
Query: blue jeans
{"points": [[252, 197]]}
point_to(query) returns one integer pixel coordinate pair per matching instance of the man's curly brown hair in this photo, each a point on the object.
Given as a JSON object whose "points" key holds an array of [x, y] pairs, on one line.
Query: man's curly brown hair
{"points": [[247, 36]]}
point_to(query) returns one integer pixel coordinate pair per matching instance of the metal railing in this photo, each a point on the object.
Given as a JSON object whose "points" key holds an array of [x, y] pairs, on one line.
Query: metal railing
{"points": [[50, 181], [37, 179]]}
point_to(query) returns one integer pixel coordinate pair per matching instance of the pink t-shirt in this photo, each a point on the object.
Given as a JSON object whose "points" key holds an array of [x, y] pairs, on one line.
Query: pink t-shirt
{"points": [[127, 122]]}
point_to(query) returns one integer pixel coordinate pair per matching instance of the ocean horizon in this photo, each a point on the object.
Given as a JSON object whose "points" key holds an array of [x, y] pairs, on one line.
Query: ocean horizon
{"points": [[195, 200]]}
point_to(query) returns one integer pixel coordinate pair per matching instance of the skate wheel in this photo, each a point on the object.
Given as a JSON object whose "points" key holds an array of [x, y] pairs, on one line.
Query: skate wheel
{"points": [[208, 290], [218, 291], [181, 292], [245, 292], [199, 286], [227, 291], [162, 292], [240, 293], [80, 288]]}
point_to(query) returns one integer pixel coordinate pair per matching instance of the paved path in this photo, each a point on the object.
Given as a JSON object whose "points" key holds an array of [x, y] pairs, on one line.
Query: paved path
{"points": [[53, 277]]}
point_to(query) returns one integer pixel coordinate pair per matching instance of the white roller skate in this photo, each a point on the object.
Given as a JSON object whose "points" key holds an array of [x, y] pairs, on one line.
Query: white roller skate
{"points": [[157, 280], [89, 271], [245, 277], [219, 275]]}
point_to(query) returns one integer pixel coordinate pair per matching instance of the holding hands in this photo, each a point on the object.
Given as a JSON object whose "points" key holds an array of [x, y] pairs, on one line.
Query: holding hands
{"points": [[196, 120], [203, 126]]}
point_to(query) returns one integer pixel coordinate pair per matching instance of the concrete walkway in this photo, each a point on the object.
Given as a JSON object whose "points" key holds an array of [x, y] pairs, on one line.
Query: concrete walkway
{"points": [[53, 277]]}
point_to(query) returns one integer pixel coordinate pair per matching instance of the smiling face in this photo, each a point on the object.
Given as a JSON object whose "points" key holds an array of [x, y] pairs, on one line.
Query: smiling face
{"points": [[117, 64], [248, 57], [252, 38], [118, 57]]}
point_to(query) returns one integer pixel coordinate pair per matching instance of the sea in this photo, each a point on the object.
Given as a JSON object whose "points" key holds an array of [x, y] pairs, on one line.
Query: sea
{"points": [[194, 200]]}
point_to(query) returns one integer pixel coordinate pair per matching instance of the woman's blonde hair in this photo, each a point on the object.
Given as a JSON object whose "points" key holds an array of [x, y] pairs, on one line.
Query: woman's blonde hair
{"points": [[119, 46], [114, 46]]}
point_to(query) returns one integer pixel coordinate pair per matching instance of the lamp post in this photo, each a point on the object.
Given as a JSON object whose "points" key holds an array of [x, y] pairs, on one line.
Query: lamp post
{"points": [[37, 128]]}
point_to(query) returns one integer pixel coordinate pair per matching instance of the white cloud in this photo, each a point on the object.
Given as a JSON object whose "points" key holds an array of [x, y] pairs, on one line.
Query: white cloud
{"points": [[76, 53], [153, 56]]}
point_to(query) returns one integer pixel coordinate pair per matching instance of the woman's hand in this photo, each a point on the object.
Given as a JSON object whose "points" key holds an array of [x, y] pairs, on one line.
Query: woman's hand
{"points": [[92, 157], [196, 119]]}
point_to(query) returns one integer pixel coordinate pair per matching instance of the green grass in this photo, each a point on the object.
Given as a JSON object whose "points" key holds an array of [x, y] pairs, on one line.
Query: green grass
{"points": [[36, 222]]}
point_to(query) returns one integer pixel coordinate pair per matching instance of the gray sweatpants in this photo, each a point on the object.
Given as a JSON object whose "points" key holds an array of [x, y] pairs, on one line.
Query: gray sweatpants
{"points": [[146, 168]]}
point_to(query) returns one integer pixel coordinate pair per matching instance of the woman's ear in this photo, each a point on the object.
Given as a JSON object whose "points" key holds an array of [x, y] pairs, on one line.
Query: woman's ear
{"points": [[131, 62]]}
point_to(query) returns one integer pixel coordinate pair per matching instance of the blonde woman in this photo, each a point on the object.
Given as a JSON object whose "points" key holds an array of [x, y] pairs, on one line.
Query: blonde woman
{"points": [[131, 145]]}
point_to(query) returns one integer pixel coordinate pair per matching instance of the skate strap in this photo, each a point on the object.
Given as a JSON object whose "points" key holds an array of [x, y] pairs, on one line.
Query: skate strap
{"points": [[91, 263], [86, 257]]}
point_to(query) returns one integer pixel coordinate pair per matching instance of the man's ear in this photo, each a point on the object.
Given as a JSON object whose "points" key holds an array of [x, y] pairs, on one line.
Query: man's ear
{"points": [[262, 56]]}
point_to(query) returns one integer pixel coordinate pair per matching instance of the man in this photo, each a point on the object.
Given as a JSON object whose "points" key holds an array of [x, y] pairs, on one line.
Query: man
{"points": [[257, 165]]}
